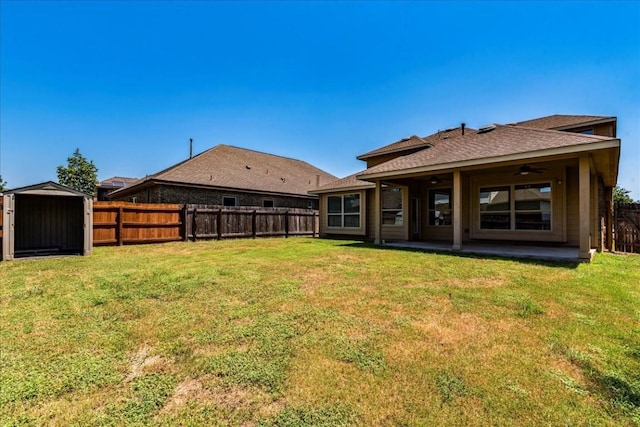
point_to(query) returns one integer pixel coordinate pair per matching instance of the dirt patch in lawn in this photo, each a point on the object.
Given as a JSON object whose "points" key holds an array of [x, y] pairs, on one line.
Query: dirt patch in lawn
{"points": [[141, 361], [188, 390]]}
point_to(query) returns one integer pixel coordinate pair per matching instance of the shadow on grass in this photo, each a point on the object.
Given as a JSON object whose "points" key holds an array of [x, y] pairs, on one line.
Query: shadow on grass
{"points": [[620, 387], [521, 260]]}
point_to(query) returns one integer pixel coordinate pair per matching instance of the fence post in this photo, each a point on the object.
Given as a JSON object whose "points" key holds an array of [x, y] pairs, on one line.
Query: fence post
{"points": [[313, 222], [185, 225], [253, 224], [219, 223], [194, 224], [120, 222], [286, 224]]}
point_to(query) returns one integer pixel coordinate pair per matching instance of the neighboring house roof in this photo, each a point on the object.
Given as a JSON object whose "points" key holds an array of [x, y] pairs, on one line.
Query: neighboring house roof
{"points": [[415, 142], [228, 167], [117, 182], [497, 143], [562, 121], [345, 184]]}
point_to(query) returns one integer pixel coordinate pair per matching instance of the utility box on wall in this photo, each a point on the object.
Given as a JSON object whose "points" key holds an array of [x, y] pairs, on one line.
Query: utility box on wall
{"points": [[46, 219]]}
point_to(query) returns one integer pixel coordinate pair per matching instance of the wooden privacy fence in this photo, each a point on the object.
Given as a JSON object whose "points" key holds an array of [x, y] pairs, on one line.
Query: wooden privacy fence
{"points": [[627, 227], [119, 223], [210, 222]]}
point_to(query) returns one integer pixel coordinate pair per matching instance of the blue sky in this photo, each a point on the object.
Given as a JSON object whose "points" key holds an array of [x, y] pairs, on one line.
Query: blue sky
{"points": [[130, 82]]}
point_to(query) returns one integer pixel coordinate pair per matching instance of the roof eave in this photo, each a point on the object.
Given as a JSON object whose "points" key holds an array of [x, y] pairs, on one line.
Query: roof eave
{"points": [[573, 149], [372, 154], [341, 189], [151, 181], [583, 124]]}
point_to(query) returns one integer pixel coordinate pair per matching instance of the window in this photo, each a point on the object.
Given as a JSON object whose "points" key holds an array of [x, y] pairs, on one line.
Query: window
{"points": [[533, 207], [495, 208], [587, 132], [343, 211], [440, 207], [530, 210], [392, 206], [229, 201], [268, 204]]}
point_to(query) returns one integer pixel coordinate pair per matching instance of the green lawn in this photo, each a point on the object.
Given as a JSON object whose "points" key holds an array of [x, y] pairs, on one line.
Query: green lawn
{"points": [[317, 332]]}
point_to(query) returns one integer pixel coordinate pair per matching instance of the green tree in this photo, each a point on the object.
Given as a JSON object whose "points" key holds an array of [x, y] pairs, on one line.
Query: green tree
{"points": [[621, 195], [3, 184], [79, 174]]}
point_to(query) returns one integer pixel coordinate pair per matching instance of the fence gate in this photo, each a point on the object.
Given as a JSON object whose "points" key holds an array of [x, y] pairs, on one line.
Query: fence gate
{"points": [[627, 227]]}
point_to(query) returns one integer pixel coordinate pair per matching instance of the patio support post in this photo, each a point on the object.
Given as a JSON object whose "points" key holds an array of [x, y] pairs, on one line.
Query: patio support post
{"points": [[608, 197], [584, 177], [457, 210], [377, 235]]}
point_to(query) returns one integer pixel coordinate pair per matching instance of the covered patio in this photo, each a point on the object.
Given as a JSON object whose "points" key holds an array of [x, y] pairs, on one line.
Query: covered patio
{"points": [[537, 189]]}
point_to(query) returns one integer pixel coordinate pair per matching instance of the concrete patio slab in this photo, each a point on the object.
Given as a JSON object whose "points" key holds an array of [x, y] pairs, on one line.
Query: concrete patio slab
{"points": [[547, 253]]}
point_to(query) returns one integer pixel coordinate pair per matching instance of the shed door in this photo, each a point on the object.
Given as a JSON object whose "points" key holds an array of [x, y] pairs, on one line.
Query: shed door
{"points": [[48, 225]]}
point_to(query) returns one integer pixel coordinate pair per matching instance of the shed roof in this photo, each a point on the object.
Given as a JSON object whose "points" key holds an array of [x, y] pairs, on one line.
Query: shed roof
{"points": [[225, 166], [48, 188]]}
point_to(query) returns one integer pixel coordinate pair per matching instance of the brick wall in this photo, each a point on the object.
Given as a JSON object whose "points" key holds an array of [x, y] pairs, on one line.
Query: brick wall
{"points": [[204, 196]]}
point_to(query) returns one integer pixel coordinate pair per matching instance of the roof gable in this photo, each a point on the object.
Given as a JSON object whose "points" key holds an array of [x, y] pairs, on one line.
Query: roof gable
{"points": [[415, 142]]}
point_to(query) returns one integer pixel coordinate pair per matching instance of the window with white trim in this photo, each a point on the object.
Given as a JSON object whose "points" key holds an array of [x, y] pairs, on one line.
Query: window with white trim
{"points": [[268, 203], [521, 207], [343, 211], [392, 213]]}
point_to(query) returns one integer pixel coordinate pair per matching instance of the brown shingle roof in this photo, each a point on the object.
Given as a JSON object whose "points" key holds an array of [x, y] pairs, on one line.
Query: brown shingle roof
{"points": [[232, 167], [414, 142], [347, 183], [558, 121], [501, 141]]}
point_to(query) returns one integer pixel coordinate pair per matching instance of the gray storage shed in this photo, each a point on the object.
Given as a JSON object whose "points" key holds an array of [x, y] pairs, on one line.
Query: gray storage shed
{"points": [[46, 219]]}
